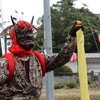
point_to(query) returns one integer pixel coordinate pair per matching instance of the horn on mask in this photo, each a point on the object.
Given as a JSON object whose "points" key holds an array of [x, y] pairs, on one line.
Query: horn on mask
{"points": [[32, 20], [12, 20]]}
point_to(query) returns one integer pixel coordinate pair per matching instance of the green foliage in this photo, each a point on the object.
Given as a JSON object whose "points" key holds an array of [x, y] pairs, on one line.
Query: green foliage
{"points": [[89, 82], [71, 84], [58, 86], [63, 16], [62, 85], [39, 42], [63, 69]]}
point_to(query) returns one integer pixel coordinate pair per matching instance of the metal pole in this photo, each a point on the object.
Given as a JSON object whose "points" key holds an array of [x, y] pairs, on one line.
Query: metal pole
{"points": [[48, 49]]}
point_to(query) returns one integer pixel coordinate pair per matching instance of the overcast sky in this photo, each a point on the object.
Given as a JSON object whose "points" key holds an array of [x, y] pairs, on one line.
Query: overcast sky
{"points": [[35, 7]]}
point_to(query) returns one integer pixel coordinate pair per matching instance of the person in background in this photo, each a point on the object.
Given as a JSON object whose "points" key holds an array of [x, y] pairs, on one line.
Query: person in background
{"points": [[30, 66]]}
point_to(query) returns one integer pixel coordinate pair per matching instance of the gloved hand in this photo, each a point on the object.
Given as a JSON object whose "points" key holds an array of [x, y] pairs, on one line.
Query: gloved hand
{"points": [[77, 25]]}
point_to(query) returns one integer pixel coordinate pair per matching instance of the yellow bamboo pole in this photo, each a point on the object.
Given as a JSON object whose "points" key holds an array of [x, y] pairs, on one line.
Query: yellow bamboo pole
{"points": [[82, 69]]}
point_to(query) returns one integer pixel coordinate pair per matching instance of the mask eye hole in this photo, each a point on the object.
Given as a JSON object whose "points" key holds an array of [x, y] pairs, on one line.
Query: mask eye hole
{"points": [[21, 41], [30, 31]]}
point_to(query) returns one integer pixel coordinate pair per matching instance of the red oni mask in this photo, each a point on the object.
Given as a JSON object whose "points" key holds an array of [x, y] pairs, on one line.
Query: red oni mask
{"points": [[22, 38], [24, 34]]}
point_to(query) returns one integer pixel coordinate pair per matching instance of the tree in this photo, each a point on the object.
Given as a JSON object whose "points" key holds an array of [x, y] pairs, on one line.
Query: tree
{"points": [[63, 15]]}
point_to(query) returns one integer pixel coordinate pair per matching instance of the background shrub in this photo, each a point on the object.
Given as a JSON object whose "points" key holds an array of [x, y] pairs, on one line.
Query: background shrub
{"points": [[58, 86], [71, 84], [63, 69]]}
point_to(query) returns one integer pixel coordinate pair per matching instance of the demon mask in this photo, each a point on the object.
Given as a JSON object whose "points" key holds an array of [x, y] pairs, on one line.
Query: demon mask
{"points": [[21, 34], [24, 34]]}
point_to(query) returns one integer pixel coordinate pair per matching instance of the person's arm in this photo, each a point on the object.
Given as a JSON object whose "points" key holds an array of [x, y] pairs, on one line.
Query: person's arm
{"points": [[64, 56]]}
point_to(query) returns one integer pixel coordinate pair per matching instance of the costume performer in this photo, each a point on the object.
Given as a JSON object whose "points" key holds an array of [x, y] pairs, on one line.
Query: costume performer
{"points": [[26, 82]]}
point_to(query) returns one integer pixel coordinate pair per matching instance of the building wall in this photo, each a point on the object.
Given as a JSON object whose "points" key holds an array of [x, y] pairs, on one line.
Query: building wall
{"points": [[63, 79], [73, 66], [91, 66]]}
